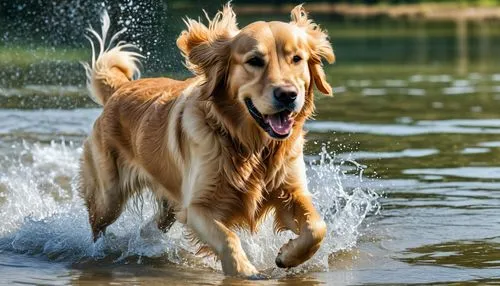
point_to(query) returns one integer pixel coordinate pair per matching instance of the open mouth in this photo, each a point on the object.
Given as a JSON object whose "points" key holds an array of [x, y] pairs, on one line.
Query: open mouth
{"points": [[277, 125]]}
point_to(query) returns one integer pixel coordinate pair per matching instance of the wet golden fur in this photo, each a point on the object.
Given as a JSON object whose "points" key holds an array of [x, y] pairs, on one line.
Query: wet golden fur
{"points": [[194, 143]]}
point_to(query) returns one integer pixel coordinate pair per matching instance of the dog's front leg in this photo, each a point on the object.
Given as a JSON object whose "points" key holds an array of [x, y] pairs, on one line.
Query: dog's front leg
{"points": [[223, 241], [295, 211]]}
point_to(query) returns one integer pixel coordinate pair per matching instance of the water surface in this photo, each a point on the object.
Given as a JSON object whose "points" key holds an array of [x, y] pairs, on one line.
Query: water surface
{"points": [[403, 164]]}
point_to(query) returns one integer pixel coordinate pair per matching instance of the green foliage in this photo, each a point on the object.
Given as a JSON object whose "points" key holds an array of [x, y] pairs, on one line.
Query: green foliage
{"points": [[24, 56]]}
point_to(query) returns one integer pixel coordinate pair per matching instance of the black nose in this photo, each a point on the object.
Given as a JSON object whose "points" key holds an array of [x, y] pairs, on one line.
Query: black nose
{"points": [[285, 94]]}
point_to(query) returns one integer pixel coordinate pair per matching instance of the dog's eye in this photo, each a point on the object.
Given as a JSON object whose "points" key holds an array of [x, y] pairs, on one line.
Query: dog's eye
{"points": [[256, 62], [296, 59]]}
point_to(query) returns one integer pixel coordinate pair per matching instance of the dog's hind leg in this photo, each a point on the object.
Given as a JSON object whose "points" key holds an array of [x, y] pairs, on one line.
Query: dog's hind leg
{"points": [[104, 210], [100, 188], [162, 220]]}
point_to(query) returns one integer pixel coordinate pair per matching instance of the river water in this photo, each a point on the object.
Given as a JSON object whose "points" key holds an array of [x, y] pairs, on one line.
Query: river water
{"points": [[403, 163]]}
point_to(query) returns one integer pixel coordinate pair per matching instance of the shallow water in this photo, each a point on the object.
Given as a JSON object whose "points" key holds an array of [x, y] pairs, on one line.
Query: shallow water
{"points": [[403, 164]]}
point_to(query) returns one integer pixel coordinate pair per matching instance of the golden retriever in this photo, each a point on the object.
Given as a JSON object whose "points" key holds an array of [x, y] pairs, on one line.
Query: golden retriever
{"points": [[219, 150]]}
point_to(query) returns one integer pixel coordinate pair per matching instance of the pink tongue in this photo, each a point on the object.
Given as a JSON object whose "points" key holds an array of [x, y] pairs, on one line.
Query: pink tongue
{"points": [[280, 123]]}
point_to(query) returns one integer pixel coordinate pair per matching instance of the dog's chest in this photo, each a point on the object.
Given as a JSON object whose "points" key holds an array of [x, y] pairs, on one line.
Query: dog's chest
{"points": [[256, 173]]}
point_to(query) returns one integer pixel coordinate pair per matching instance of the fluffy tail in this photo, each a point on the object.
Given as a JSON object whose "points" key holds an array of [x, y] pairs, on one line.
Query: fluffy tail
{"points": [[113, 66]]}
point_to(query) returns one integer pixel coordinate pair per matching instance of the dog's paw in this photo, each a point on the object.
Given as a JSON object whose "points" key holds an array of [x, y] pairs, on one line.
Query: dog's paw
{"points": [[247, 270], [279, 261], [239, 267], [284, 259]]}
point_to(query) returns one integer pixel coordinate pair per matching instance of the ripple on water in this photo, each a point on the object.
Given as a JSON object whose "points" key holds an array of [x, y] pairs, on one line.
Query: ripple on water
{"points": [[441, 78], [47, 121], [480, 254], [374, 91], [462, 172], [456, 90], [407, 153], [474, 150], [491, 144], [462, 126], [495, 77], [415, 91], [339, 89], [395, 83]]}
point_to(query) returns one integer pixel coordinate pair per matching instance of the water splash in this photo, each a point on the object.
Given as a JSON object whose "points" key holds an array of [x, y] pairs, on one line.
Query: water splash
{"points": [[43, 215], [43, 41]]}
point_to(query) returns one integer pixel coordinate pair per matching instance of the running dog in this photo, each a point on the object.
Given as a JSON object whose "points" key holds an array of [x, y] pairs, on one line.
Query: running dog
{"points": [[219, 150]]}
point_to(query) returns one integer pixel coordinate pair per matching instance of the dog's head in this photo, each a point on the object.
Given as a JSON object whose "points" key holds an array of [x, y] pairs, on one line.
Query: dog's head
{"points": [[268, 68]]}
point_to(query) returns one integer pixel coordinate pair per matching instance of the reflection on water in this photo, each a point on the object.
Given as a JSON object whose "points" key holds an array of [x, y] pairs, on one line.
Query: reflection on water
{"points": [[413, 128], [473, 254]]}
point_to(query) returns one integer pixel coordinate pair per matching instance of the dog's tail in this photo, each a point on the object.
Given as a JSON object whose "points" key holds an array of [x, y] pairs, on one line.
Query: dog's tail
{"points": [[112, 65]]}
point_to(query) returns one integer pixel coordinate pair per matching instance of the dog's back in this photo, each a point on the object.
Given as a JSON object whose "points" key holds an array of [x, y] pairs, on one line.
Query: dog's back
{"points": [[136, 113]]}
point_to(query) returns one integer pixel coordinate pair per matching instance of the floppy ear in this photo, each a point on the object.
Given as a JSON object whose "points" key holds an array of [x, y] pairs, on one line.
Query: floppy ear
{"points": [[320, 48], [206, 48]]}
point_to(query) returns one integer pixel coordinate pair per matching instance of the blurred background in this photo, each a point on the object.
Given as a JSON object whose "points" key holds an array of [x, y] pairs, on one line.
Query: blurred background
{"points": [[404, 159], [37, 35]]}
